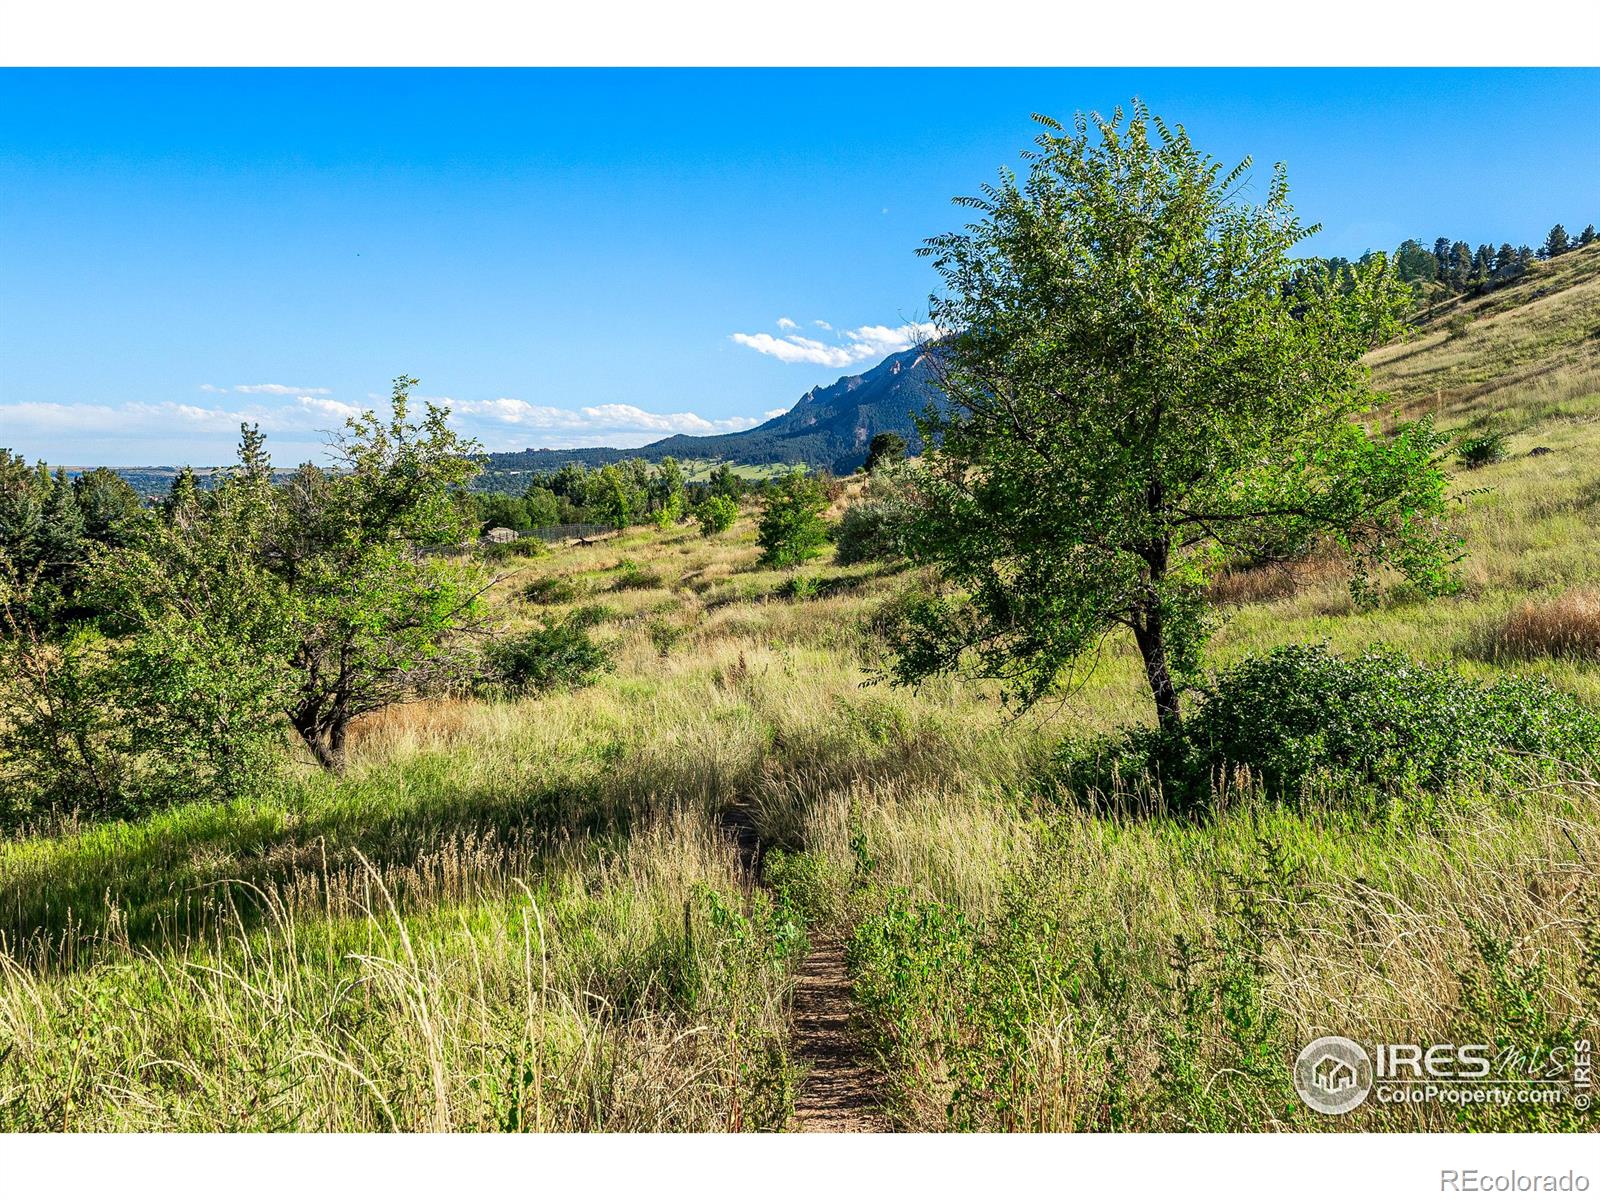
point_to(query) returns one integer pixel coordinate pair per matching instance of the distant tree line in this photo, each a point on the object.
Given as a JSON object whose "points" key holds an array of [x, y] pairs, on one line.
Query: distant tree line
{"points": [[618, 495], [1453, 267]]}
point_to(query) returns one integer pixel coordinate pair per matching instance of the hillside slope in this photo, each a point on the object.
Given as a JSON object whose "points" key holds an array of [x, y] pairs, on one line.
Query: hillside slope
{"points": [[1524, 354]]}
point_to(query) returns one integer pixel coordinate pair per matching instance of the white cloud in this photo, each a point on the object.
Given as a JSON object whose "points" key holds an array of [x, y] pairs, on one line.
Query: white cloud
{"points": [[137, 418], [823, 325], [329, 408], [854, 346], [506, 423], [207, 432], [774, 412], [274, 389], [796, 349], [786, 323], [213, 389], [510, 411]]}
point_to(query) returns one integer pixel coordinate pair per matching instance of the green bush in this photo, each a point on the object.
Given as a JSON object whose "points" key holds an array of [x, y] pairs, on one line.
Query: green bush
{"points": [[1482, 450], [557, 655], [587, 616], [113, 727], [801, 587], [866, 533], [552, 589], [632, 577], [871, 529], [792, 529], [1301, 719], [511, 551], [717, 514]]}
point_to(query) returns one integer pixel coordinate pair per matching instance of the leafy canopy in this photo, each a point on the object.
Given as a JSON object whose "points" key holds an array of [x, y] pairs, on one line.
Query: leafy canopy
{"points": [[717, 514], [1143, 382], [317, 591], [792, 529]]}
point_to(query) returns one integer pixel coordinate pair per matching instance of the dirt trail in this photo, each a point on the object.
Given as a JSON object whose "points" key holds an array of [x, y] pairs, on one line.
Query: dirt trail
{"points": [[840, 1091]]}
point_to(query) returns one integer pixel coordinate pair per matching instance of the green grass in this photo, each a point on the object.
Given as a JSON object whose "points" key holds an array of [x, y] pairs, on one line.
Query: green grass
{"points": [[698, 470]]}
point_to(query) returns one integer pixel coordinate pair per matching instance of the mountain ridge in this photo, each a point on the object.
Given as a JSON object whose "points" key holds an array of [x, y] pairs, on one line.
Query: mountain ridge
{"points": [[829, 426]]}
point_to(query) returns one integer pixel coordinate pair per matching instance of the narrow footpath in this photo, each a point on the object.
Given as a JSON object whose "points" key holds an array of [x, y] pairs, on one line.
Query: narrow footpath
{"points": [[839, 1093]]}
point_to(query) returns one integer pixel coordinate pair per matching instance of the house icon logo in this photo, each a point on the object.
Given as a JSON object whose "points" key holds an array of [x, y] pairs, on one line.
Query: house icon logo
{"points": [[1333, 1075]]}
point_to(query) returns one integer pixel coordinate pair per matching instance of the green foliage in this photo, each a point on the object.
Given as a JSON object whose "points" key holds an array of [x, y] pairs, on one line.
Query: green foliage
{"points": [[50, 527], [666, 492], [873, 528], [183, 703], [500, 509], [542, 506], [717, 514], [726, 482], [508, 552], [632, 577], [1483, 449], [63, 745], [791, 529], [800, 587], [251, 602], [967, 996], [187, 698], [1223, 1041], [613, 495], [1122, 415], [558, 654], [665, 633], [884, 450], [550, 589], [1306, 722], [1506, 1006]]}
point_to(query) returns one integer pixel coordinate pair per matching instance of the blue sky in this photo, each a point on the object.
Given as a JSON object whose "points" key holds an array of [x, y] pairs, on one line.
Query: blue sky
{"points": [[605, 257]]}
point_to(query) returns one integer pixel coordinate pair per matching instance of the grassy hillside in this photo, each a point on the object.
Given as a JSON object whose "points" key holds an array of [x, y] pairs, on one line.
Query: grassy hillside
{"points": [[537, 914]]}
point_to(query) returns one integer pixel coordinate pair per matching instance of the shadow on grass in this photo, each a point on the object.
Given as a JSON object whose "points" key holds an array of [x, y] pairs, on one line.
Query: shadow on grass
{"points": [[430, 827], [172, 877]]}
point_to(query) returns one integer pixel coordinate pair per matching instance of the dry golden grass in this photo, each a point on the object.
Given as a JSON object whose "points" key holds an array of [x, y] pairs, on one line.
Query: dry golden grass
{"points": [[1273, 581], [1567, 626]]}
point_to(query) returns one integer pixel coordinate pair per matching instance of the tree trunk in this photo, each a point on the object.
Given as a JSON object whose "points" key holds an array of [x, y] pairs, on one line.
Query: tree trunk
{"points": [[1152, 642], [325, 740], [1150, 632]]}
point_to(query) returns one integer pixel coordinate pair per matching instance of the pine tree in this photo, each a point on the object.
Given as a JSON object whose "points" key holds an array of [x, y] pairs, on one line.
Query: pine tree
{"points": [[1460, 265], [887, 448], [1441, 258], [1555, 242], [63, 526], [108, 503], [1483, 263], [1586, 236], [1505, 261], [1413, 264]]}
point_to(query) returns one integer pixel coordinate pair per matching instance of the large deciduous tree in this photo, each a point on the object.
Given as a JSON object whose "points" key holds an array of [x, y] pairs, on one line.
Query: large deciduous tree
{"points": [[1143, 383]]}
